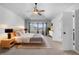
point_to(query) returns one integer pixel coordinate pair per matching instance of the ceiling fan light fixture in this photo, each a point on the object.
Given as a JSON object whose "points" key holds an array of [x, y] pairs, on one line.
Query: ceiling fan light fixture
{"points": [[35, 12]]}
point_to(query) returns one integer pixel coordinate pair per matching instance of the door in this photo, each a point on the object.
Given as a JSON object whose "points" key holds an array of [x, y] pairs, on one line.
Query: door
{"points": [[67, 30], [77, 30]]}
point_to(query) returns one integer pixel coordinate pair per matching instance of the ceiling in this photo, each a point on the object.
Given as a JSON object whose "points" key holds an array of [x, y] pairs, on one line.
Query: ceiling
{"points": [[51, 9]]}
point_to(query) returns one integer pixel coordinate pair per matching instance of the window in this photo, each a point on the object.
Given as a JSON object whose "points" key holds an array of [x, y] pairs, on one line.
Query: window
{"points": [[38, 27]]}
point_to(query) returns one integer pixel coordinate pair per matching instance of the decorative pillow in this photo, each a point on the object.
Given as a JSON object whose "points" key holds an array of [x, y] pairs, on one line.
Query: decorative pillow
{"points": [[18, 33], [22, 32]]}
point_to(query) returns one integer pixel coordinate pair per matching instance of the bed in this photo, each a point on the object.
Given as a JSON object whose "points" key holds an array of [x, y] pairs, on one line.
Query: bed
{"points": [[29, 38]]}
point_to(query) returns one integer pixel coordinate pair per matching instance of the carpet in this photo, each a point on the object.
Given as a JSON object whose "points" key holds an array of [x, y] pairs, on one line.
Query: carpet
{"points": [[30, 45]]}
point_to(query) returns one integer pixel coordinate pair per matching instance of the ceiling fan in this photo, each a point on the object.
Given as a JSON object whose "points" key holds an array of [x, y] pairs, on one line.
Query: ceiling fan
{"points": [[36, 10]]}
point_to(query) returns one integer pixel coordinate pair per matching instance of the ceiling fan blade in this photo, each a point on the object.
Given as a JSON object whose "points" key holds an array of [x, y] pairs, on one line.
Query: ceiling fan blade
{"points": [[39, 14], [41, 10], [35, 10]]}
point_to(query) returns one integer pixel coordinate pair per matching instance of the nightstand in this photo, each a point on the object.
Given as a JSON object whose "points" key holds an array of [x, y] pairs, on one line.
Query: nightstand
{"points": [[7, 43]]}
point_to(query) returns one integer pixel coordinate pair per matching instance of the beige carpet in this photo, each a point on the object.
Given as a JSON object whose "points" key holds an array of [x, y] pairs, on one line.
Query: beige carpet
{"points": [[56, 49], [36, 46]]}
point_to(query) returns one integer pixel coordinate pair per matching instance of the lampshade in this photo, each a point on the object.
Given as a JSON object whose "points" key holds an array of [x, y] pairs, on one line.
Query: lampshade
{"points": [[8, 30]]}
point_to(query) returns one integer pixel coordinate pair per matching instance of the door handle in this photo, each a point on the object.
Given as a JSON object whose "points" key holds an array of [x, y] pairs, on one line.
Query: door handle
{"points": [[64, 32]]}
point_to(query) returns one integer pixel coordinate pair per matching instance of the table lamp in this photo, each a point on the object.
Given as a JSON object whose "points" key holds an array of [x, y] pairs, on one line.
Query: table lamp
{"points": [[9, 32]]}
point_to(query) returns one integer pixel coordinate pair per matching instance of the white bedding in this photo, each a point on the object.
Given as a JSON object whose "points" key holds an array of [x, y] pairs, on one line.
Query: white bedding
{"points": [[24, 38], [29, 38]]}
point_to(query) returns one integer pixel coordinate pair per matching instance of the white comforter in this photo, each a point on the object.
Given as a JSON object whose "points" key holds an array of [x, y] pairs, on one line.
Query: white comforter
{"points": [[24, 38]]}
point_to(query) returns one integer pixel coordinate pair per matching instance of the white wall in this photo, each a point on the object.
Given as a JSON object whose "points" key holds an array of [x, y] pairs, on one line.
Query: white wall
{"points": [[9, 18], [57, 24]]}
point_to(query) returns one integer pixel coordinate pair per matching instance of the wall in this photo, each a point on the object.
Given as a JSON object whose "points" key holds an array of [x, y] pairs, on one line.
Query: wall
{"points": [[57, 27], [9, 19]]}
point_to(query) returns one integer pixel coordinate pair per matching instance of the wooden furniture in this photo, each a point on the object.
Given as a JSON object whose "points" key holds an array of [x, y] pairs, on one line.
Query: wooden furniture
{"points": [[7, 43]]}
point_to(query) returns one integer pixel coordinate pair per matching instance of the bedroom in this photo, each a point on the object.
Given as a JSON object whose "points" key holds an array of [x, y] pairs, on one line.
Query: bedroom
{"points": [[35, 28]]}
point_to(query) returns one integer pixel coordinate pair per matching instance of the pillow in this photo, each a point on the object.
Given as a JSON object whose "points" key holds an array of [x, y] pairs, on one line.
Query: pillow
{"points": [[18, 33], [22, 32]]}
